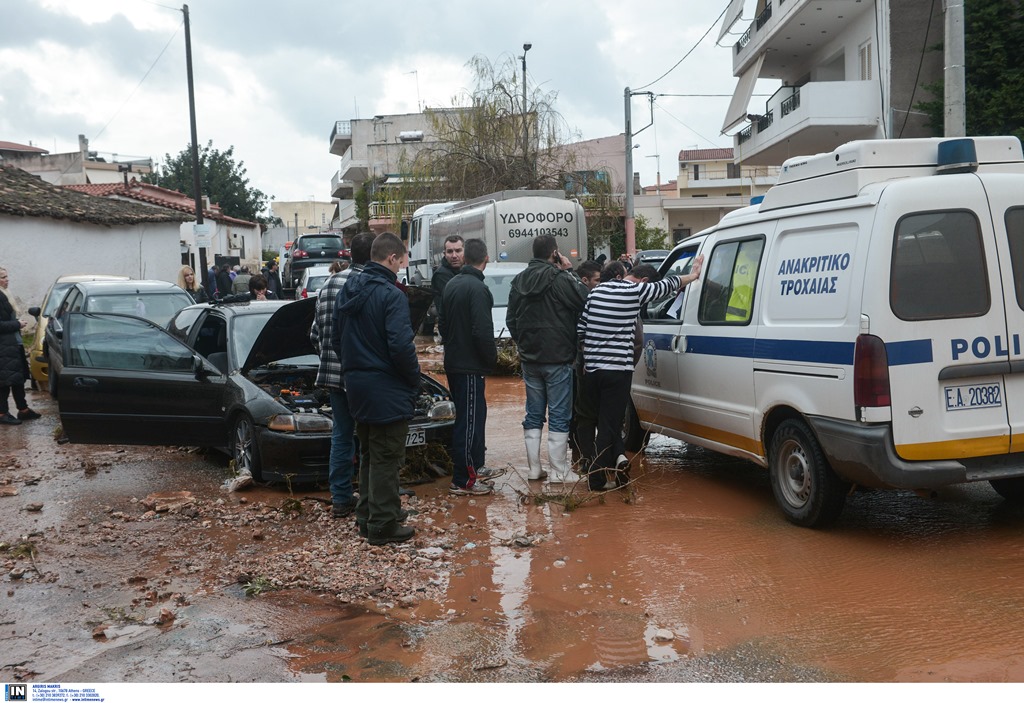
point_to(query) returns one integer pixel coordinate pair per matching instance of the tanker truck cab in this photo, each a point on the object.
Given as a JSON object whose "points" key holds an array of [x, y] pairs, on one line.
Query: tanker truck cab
{"points": [[862, 325]]}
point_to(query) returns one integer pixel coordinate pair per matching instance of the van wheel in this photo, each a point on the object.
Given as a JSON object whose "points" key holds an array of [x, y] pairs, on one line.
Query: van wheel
{"points": [[244, 448], [1011, 489], [805, 486], [634, 437]]}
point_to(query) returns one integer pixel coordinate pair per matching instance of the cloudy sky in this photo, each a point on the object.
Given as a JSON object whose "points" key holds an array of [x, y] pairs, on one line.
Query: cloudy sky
{"points": [[272, 77]]}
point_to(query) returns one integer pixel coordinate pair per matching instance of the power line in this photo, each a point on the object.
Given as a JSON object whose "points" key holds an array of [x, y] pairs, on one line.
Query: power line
{"points": [[694, 48], [685, 125]]}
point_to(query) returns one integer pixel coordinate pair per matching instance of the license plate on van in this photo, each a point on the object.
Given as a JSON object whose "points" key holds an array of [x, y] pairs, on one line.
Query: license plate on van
{"points": [[416, 437], [982, 395]]}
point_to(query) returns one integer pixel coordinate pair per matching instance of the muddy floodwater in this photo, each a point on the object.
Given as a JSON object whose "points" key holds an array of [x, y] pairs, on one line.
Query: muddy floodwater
{"points": [[693, 575]]}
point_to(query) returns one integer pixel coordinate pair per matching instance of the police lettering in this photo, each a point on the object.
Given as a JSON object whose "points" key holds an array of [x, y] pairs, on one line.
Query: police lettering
{"points": [[983, 347], [518, 218], [808, 286], [815, 264]]}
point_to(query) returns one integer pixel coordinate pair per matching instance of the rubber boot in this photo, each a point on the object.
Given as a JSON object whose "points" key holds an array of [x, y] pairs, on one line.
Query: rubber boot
{"points": [[558, 447], [532, 438]]}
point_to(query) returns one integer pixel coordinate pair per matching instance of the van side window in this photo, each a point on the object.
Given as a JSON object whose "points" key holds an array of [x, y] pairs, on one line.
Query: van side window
{"points": [[1015, 236], [727, 295], [938, 267], [663, 310]]}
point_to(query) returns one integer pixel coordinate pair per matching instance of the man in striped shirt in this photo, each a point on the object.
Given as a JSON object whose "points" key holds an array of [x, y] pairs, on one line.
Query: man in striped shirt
{"points": [[606, 330]]}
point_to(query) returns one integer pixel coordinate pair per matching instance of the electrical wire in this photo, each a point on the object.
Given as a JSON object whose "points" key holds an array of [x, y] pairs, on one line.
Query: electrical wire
{"points": [[917, 79], [694, 48], [686, 125]]}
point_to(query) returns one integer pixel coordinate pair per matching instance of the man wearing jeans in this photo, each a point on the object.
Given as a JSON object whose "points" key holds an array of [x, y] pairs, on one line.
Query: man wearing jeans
{"points": [[329, 376], [544, 306], [372, 335]]}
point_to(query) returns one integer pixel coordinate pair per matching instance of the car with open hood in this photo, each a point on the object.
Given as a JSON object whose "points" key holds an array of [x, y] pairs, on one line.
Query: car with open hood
{"points": [[237, 376]]}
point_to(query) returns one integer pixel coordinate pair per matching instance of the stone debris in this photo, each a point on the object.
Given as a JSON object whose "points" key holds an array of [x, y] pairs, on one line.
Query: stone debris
{"points": [[34, 507], [169, 501], [663, 635]]}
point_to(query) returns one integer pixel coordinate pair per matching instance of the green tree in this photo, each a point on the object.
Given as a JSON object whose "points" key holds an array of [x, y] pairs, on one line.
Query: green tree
{"points": [[647, 237], [489, 140], [994, 57], [222, 180]]}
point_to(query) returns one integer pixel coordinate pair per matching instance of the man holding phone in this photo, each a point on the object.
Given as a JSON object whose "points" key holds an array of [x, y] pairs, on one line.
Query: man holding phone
{"points": [[544, 306]]}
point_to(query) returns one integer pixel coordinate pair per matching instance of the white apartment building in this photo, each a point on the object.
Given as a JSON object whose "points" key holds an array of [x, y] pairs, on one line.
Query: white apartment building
{"points": [[845, 70]]}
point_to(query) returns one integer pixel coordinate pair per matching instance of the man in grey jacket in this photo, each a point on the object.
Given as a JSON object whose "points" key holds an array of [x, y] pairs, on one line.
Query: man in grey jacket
{"points": [[544, 306]]}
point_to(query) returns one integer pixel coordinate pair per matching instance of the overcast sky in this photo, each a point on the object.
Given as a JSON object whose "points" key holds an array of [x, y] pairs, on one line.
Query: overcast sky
{"points": [[272, 77]]}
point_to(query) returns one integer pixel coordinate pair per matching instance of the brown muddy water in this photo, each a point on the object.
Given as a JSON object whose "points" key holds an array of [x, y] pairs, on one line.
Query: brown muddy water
{"points": [[693, 576]]}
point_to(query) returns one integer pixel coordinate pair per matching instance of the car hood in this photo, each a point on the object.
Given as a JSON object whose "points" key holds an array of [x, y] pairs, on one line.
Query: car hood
{"points": [[285, 335]]}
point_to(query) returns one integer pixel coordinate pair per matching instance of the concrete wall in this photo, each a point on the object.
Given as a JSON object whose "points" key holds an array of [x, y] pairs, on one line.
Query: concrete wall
{"points": [[35, 251]]}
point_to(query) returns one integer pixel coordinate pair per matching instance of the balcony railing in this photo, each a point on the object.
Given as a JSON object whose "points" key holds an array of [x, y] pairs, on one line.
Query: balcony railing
{"points": [[766, 14], [745, 134], [395, 210], [342, 129], [759, 22], [791, 103], [609, 202]]}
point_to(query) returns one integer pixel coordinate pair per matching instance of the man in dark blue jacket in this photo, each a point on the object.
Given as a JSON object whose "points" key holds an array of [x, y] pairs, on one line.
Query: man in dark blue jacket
{"points": [[469, 354], [373, 337]]}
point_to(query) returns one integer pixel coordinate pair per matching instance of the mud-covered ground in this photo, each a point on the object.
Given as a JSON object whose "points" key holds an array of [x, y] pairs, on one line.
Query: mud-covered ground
{"points": [[136, 564]]}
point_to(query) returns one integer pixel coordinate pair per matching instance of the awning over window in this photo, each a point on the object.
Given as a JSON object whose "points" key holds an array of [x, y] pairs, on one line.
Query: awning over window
{"points": [[732, 14], [741, 98]]}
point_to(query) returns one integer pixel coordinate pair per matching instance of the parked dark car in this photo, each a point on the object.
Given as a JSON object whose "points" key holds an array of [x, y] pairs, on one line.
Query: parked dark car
{"points": [[157, 301], [236, 376], [310, 250]]}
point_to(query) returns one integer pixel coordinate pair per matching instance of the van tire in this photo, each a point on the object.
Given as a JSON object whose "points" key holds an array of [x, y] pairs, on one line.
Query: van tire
{"points": [[1011, 489], [805, 486], [634, 437]]}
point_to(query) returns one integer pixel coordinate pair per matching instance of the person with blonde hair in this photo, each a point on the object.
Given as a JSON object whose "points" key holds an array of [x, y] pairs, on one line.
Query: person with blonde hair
{"points": [[13, 364], [187, 281]]}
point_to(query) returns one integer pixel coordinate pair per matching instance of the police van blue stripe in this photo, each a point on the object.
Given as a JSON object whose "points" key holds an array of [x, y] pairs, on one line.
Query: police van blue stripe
{"points": [[914, 351]]}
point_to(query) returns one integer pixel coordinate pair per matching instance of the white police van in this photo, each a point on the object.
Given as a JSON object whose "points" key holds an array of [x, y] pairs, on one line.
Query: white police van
{"points": [[863, 325]]}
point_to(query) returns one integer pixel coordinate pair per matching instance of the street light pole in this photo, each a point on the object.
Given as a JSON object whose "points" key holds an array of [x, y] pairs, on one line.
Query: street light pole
{"points": [[526, 123]]}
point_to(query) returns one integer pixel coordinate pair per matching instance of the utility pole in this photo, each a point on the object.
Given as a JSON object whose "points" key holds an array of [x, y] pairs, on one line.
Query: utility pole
{"points": [[526, 123], [196, 180], [630, 222], [955, 123]]}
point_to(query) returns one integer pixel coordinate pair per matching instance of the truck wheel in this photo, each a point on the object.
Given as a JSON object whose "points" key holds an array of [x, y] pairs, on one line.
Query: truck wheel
{"points": [[805, 486], [1011, 489], [634, 437], [244, 448]]}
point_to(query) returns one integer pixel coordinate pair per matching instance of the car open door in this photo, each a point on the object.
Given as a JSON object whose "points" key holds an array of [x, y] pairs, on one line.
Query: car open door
{"points": [[127, 381]]}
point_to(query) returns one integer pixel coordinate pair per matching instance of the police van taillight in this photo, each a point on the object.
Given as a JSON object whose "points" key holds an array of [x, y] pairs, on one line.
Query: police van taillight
{"points": [[870, 373]]}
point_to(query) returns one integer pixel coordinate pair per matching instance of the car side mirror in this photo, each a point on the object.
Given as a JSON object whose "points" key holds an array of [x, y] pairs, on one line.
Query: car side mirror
{"points": [[200, 368], [34, 311]]}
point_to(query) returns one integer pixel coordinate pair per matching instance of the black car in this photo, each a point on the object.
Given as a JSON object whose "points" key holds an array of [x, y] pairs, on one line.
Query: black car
{"points": [[153, 300], [311, 250], [236, 376]]}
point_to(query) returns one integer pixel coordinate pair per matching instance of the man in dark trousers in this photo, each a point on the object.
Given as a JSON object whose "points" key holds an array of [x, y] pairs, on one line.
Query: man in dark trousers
{"points": [[329, 376], [274, 280], [469, 354], [373, 337], [454, 248]]}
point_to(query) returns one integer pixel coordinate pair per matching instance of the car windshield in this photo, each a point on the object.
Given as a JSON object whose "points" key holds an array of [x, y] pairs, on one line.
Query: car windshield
{"points": [[316, 283], [156, 307], [56, 294], [246, 328], [500, 285], [311, 243]]}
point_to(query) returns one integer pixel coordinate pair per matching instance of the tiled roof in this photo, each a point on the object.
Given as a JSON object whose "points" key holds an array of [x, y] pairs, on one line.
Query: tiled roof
{"points": [[11, 146], [155, 195], [706, 154], [25, 195]]}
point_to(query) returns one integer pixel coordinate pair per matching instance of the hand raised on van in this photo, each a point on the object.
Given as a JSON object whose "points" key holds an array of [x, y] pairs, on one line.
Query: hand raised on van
{"points": [[694, 274]]}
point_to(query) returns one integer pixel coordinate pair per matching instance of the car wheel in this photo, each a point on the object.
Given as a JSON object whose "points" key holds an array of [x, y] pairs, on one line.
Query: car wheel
{"points": [[634, 437], [805, 486], [1011, 489], [244, 449]]}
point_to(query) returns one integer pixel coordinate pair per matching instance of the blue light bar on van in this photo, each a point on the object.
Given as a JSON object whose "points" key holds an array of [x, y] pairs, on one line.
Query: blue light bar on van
{"points": [[756, 199], [957, 156]]}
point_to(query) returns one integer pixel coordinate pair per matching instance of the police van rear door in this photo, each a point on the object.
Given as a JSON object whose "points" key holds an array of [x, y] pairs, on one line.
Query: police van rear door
{"points": [[1006, 201], [943, 319]]}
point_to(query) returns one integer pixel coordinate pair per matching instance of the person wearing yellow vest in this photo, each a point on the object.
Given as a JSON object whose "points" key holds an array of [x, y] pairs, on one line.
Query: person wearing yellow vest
{"points": [[744, 275]]}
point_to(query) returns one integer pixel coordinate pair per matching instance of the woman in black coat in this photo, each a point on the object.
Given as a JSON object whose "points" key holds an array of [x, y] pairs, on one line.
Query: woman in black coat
{"points": [[13, 364]]}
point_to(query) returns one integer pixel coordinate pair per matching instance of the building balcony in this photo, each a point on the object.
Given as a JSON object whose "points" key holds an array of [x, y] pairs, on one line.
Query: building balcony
{"points": [[346, 215], [726, 180], [341, 188], [812, 119], [353, 169], [341, 137]]}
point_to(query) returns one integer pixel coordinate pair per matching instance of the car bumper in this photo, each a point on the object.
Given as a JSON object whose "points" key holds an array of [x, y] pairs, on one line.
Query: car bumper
{"points": [[38, 365], [866, 455], [294, 457]]}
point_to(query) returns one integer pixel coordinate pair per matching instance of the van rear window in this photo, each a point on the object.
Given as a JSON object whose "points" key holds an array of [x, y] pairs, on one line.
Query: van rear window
{"points": [[938, 267], [1015, 236]]}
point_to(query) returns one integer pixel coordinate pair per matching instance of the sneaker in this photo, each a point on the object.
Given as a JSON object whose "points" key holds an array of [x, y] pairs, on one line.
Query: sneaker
{"points": [[343, 509], [28, 414], [8, 419], [406, 492], [477, 489], [622, 463], [401, 534], [403, 515], [485, 473]]}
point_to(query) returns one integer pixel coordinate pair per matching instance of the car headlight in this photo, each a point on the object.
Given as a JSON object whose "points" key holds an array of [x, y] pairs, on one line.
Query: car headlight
{"points": [[300, 423], [442, 410]]}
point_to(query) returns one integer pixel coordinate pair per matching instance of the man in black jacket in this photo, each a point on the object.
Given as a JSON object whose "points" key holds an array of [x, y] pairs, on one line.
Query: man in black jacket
{"points": [[373, 338], [544, 306], [454, 251], [469, 354]]}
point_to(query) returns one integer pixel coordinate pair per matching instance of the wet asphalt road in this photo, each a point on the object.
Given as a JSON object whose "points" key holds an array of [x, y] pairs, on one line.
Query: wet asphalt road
{"points": [[694, 577]]}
